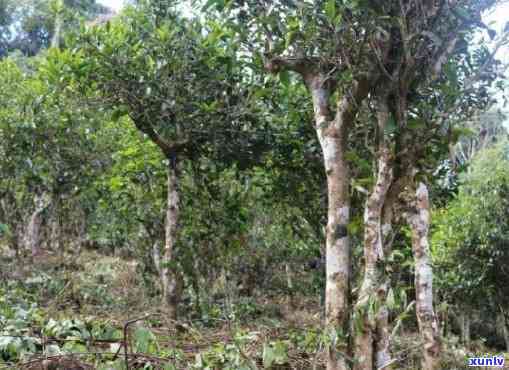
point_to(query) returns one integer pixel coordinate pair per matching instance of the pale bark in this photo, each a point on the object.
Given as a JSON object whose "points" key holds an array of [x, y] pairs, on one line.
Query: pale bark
{"points": [[289, 285], [169, 272], [55, 40], [333, 142], [382, 336], [332, 134], [383, 357], [419, 222], [374, 285], [289, 277], [33, 232], [371, 339], [156, 258]]}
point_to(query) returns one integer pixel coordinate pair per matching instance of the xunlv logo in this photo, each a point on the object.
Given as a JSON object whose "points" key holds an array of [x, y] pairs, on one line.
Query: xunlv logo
{"points": [[494, 361]]}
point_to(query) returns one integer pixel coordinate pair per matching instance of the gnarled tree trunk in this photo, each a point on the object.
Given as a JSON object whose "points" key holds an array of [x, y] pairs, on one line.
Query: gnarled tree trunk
{"points": [[332, 133], [171, 280], [33, 231], [371, 353], [332, 137], [382, 343], [371, 331], [419, 221]]}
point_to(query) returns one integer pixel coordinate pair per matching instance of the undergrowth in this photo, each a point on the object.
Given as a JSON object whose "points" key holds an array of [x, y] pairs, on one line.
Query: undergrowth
{"points": [[77, 314]]}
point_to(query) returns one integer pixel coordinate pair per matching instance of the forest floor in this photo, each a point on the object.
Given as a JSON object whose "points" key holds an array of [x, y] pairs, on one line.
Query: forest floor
{"points": [[77, 313]]}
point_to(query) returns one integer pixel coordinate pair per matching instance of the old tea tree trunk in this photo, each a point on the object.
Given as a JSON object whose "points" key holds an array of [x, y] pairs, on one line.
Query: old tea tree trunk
{"points": [[167, 264], [332, 135], [33, 230], [419, 221], [332, 130], [371, 345], [169, 273]]}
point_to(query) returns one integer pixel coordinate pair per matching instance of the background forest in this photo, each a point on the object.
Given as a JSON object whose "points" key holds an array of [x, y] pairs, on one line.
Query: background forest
{"points": [[253, 184]]}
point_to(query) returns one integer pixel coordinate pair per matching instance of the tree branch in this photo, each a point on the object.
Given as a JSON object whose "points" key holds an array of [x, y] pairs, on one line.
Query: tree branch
{"points": [[301, 65]]}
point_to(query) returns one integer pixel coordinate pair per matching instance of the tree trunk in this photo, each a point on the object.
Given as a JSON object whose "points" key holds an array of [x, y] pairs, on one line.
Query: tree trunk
{"points": [[332, 137], [383, 334], [506, 336], [332, 134], [370, 303], [419, 222], [11, 216], [156, 258], [170, 277], [504, 329], [464, 321], [289, 284], [56, 227], [55, 39], [33, 233]]}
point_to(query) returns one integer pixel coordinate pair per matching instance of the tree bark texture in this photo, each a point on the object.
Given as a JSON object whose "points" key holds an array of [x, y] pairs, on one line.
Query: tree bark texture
{"points": [[383, 334], [332, 138], [33, 232], [156, 258], [169, 272], [373, 290], [419, 222], [332, 134], [464, 321], [57, 30], [371, 326]]}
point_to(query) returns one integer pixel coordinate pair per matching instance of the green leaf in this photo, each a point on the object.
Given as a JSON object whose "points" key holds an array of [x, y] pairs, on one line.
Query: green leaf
{"points": [[117, 114], [275, 353], [415, 124], [268, 356], [281, 352], [284, 78], [291, 36], [330, 9], [144, 339], [218, 4], [74, 347], [4, 229]]}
